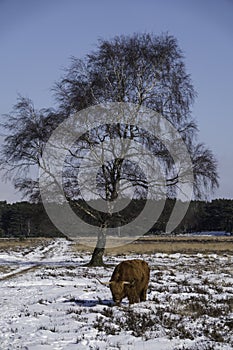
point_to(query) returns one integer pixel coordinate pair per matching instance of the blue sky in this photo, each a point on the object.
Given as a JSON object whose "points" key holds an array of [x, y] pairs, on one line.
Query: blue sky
{"points": [[37, 39]]}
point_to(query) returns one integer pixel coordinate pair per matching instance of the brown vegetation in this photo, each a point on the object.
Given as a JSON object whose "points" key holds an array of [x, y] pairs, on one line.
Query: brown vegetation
{"points": [[171, 244], [148, 244], [19, 244]]}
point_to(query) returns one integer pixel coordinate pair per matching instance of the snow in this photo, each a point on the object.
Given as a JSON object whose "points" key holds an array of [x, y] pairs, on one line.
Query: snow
{"points": [[49, 300], [211, 233]]}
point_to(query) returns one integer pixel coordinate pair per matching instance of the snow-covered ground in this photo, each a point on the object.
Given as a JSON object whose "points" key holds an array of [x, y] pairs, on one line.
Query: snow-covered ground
{"points": [[50, 301]]}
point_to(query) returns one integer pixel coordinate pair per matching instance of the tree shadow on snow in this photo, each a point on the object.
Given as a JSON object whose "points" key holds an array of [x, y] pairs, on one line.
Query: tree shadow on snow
{"points": [[90, 303]]}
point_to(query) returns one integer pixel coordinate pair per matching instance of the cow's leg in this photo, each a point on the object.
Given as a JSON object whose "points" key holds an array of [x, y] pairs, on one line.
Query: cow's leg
{"points": [[143, 295], [133, 300], [133, 297]]}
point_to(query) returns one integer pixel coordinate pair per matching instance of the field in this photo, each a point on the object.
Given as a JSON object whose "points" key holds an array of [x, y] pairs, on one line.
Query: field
{"points": [[50, 300], [172, 244]]}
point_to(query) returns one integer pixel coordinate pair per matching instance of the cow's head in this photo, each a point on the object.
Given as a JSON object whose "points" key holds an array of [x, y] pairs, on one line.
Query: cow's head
{"points": [[117, 289]]}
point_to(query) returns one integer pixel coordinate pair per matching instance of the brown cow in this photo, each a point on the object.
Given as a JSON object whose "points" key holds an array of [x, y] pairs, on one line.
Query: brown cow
{"points": [[129, 279]]}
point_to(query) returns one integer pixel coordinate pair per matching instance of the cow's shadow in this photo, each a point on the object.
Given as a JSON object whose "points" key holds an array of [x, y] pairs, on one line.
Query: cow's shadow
{"points": [[90, 302]]}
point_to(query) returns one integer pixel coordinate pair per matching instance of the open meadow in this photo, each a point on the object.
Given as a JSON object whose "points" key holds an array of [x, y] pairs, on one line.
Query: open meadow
{"points": [[50, 300]]}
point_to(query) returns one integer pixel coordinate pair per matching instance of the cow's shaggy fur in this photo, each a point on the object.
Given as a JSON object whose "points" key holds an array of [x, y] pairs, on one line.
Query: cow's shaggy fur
{"points": [[130, 279]]}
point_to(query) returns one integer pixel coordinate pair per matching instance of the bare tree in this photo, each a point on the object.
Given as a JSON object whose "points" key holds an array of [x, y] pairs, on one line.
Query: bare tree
{"points": [[142, 69]]}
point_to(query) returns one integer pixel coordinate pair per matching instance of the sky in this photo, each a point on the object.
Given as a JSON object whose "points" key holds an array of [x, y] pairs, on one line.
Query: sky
{"points": [[37, 39]]}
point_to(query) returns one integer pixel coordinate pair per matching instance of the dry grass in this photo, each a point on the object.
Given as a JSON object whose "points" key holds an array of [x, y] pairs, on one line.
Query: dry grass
{"points": [[19, 244], [170, 245], [148, 244]]}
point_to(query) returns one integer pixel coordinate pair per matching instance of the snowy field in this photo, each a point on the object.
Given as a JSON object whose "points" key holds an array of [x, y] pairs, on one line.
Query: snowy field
{"points": [[50, 301]]}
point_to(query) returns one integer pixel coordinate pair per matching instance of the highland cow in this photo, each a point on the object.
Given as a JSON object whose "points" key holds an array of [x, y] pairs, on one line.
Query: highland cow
{"points": [[129, 279]]}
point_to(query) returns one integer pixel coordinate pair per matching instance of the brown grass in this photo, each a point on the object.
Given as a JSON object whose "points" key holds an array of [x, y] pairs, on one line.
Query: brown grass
{"points": [[148, 244], [18, 244], [170, 245]]}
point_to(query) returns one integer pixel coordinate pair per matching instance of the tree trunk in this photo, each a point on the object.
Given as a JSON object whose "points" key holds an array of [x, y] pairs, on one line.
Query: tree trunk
{"points": [[97, 255]]}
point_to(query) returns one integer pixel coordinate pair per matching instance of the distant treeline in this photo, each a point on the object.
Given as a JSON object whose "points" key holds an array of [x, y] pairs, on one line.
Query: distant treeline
{"points": [[24, 219]]}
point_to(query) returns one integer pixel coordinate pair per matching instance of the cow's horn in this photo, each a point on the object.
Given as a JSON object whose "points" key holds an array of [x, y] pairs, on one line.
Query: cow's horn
{"points": [[104, 283], [126, 282]]}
